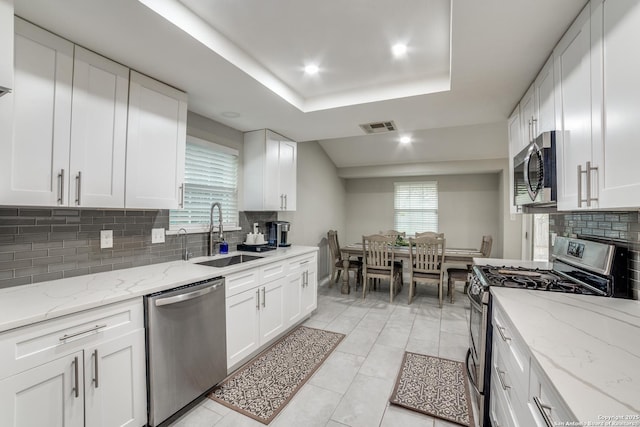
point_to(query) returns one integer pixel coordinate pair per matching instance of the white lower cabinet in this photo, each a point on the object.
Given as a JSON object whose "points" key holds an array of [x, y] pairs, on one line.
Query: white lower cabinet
{"points": [[546, 407], [45, 395], [262, 303], [83, 369]]}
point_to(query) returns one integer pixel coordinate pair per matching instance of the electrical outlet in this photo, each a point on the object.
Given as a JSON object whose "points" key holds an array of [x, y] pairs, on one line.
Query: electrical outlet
{"points": [[157, 235], [106, 239]]}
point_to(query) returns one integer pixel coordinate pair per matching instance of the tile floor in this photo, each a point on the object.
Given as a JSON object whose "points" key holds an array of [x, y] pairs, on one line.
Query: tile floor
{"points": [[353, 386]]}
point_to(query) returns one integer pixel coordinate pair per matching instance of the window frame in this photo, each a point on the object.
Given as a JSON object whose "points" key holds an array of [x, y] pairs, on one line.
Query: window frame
{"points": [[435, 210], [204, 228]]}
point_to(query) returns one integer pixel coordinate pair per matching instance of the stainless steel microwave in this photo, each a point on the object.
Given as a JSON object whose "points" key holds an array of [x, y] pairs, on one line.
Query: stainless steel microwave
{"points": [[534, 173]]}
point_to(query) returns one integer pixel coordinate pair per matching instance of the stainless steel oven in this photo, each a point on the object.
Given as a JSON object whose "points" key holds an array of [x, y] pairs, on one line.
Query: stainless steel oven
{"points": [[479, 347]]}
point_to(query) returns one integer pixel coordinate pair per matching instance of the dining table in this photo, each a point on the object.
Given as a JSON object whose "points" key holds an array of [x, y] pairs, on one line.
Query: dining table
{"points": [[451, 255]]}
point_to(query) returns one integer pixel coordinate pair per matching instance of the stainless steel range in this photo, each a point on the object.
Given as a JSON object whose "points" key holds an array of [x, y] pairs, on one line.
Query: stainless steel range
{"points": [[579, 266]]}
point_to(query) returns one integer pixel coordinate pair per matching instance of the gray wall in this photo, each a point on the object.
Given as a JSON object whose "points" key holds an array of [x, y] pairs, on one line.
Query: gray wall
{"points": [[321, 198], [469, 206]]}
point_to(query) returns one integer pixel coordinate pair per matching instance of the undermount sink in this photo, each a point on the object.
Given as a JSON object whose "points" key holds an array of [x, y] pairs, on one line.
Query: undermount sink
{"points": [[230, 260]]}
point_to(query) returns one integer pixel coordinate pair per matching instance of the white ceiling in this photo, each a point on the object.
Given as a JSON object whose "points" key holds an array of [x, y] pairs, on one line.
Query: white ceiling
{"points": [[225, 58]]}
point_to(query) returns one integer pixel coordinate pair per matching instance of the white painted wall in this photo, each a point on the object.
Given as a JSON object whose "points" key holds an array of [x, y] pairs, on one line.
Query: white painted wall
{"points": [[321, 198], [469, 207]]}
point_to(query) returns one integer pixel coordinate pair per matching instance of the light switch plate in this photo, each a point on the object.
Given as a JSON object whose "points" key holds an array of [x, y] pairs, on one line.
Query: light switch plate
{"points": [[157, 235], [106, 239]]}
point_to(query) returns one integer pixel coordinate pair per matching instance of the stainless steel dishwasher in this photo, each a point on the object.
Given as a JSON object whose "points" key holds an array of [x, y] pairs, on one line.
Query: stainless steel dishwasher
{"points": [[186, 345]]}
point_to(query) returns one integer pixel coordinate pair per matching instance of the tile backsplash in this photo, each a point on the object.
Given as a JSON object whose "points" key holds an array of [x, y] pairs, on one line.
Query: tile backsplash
{"points": [[622, 228], [39, 244]]}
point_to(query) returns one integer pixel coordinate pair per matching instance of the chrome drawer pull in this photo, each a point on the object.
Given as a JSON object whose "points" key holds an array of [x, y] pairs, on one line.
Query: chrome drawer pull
{"points": [[95, 374], [61, 187], [76, 387], [501, 379], [541, 407], [502, 335], [78, 188], [95, 328]]}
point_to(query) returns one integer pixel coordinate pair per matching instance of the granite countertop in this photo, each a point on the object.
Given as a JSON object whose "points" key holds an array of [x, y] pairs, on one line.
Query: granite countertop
{"points": [[587, 346], [24, 305]]}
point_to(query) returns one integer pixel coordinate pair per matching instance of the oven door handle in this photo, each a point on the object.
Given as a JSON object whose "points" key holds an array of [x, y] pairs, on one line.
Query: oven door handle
{"points": [[471, 380]]}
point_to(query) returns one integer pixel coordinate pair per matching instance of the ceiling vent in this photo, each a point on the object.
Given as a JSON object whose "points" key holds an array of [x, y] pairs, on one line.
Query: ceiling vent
{"points": [[379, 127]]}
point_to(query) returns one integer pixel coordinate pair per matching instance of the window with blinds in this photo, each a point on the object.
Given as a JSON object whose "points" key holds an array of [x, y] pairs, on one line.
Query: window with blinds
{"points": [[210, 175], [416, 206]]}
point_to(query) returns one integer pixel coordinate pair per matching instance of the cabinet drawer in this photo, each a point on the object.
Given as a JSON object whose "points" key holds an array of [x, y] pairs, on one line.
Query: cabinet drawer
{"points": [[301, 263], [33, 345], [274, 271], [544, 398], [242, 281], [513, 350]]}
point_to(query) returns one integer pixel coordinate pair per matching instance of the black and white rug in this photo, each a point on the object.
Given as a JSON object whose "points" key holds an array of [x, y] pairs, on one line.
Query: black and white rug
{"points": [[262, 387], [434, 386]]}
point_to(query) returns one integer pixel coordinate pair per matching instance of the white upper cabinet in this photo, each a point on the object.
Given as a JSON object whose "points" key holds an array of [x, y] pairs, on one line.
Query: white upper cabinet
{"points": [[156, 138], [98, 131], [34, 161], [573, 71], [617, 150], [545, 112], [527, 118], [269, 171], [6, 46], [515, 145]]}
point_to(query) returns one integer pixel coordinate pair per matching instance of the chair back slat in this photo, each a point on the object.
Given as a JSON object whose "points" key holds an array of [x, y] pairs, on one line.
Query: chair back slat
{"points": [[427, 254], [334, 246], [430, 234], [378, 251], [485, 248]]}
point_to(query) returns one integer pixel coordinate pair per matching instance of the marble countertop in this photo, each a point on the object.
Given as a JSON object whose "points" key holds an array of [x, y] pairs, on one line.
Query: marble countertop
{"points": [[587, 346], [24, 305]]}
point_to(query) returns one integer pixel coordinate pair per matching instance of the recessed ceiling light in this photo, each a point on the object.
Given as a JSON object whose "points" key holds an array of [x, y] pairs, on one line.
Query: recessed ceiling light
{"points": [[405, 139], [399, 49], [311, 69]]}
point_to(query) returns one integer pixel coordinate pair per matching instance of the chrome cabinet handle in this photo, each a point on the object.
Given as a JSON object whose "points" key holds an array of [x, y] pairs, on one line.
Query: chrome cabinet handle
{"points": [[580, 199], [502, 335], [95, 368], [501, 379], [541, 408], [78, 187], [530, 131], [86, 331], [534, 128], [61, 187], [589, 170], [282, 202], [285, 202], [258, 299], [76, 387], [264, 297], [181, 188], [587, 174]]}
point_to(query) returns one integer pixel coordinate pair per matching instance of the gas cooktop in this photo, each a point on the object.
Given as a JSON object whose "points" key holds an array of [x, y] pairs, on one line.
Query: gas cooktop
{"points": [[543, 280]]}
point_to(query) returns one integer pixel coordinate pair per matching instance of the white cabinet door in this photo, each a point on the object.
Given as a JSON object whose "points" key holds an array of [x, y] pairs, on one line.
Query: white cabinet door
{"points": [[270, 162], [544, 98], [243, 327], [310, 290], [98, 131], [49, 395], [292, 299], [515, 142], [156, 139], [572, 62], [271, 310], [527, 117], [617, 152], [6, 45], [115, 382], [287, 166], [34, 161]]}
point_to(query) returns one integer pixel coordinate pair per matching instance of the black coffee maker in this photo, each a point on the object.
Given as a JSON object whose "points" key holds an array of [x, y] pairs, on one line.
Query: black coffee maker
{"points": [[277, 233]]}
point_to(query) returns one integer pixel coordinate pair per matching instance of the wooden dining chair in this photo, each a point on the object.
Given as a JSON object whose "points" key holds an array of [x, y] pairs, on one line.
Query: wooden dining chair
{"points": [[462, 274], [379, 263], [337, 261], [426, 258]]}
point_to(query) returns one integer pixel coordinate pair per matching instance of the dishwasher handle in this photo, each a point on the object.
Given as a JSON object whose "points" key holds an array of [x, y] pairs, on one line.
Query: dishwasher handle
{"points": [[187, 296]]}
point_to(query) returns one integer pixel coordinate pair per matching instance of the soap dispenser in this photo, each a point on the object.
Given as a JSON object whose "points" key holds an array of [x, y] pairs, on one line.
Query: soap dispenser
{"points": [[224, 247]]}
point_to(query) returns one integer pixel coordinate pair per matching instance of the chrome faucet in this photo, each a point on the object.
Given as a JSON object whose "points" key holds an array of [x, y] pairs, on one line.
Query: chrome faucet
{"points": [[220, 238], [185, 251]]}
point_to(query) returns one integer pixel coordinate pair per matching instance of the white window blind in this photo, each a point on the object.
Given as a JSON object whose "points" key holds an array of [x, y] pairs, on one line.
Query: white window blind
{"points": [[416, 206], [210, 175]]}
